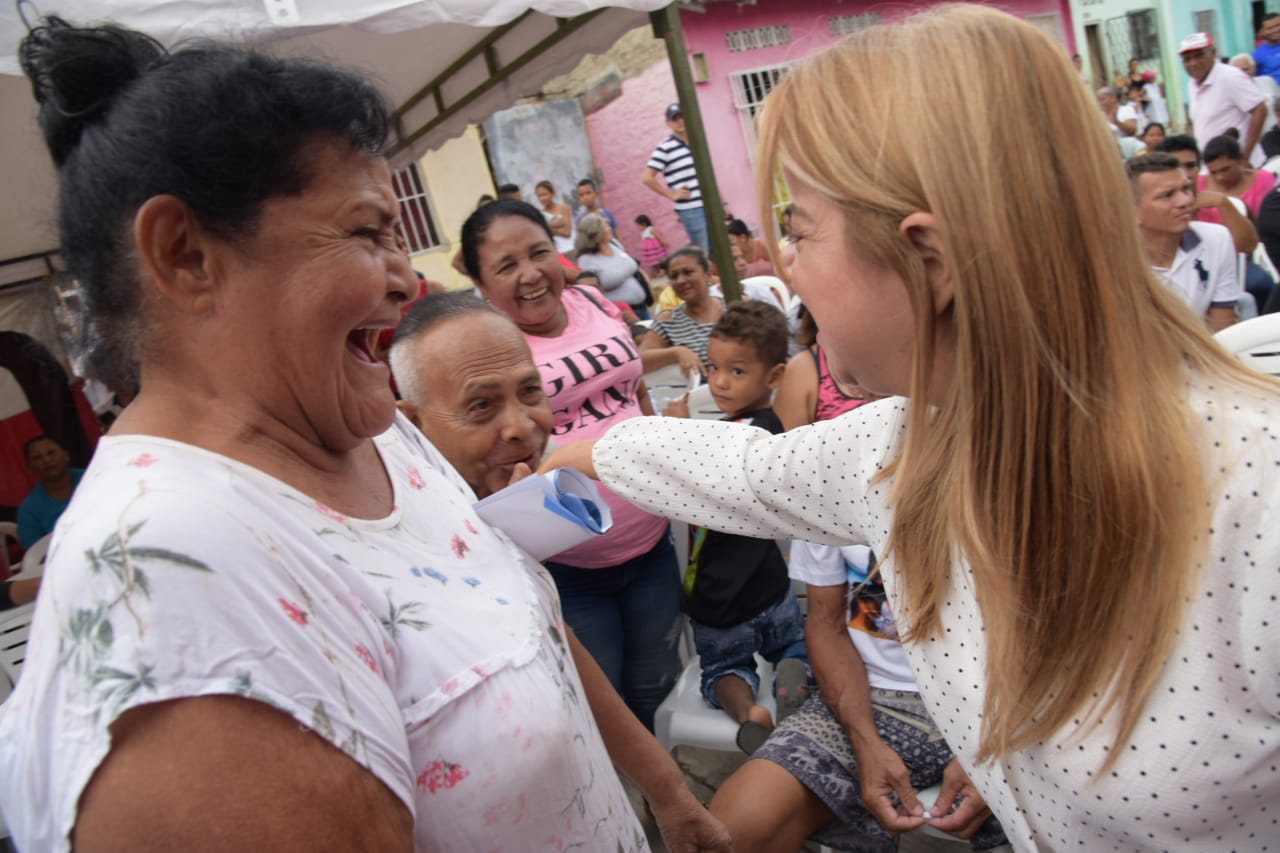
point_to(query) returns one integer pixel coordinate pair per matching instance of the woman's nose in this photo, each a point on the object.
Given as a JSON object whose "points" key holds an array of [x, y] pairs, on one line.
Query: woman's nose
{"points": [[402, 281]]}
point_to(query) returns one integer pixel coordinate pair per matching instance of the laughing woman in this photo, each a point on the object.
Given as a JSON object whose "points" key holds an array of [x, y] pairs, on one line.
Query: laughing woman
{"points": [[271, 618], [621, 592]]}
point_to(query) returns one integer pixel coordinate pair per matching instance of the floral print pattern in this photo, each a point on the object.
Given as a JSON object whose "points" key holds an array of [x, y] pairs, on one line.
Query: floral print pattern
{"points": [[178, 569]]}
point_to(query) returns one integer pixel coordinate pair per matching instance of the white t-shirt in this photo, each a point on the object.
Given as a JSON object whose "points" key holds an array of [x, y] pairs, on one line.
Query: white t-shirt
{"points": [[1202, 773], [1130, 110], [425, 645], [1204, 269], [872, 626]]}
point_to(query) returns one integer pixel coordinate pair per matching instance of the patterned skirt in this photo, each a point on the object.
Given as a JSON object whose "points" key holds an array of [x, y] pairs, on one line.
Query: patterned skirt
{"points": [[812, 746]]}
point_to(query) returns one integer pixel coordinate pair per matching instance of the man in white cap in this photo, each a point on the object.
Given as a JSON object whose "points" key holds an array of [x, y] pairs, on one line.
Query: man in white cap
{"points": [[674, 161], [1222, 97]]}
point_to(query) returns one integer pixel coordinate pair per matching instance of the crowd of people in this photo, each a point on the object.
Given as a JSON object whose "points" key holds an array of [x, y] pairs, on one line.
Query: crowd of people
{"points": [[1029, 498]]}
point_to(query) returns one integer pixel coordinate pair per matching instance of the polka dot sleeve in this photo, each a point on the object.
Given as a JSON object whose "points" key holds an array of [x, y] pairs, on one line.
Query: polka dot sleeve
{"points": [[811, 483]]}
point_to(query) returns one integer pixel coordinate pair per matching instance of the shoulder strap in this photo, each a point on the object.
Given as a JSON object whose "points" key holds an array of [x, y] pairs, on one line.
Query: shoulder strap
{"points": [[586, 293]]}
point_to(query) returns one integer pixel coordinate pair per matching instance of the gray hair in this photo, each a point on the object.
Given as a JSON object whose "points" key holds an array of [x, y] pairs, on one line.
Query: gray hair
{"points": [[590, 235], [425, 315], [1244, 61], [1107, 90]]}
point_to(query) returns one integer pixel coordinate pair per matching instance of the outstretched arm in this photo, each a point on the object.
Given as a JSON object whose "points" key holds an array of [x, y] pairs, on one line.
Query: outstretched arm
{"points": [[810, 483]]}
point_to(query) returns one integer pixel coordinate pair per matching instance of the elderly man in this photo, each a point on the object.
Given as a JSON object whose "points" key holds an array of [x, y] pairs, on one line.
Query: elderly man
{"points": [[470, 384], [1109, 103], [1222, 97], [1196, 260], [1267, 86]]}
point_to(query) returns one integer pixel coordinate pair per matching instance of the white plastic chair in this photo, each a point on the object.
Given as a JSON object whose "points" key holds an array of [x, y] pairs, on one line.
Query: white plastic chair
{"points": [[33, 560], [685, 719], [665, 385], [757, 286], [702, 406], [15, 624], [1256, 342], [8, 530]]}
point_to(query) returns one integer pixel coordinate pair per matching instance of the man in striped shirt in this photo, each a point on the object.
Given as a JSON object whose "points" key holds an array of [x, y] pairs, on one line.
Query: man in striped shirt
{"points": [[673, 160]]}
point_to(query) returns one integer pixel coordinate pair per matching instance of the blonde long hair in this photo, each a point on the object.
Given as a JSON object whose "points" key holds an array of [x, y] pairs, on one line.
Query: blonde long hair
{"points": [[1061, 461]]}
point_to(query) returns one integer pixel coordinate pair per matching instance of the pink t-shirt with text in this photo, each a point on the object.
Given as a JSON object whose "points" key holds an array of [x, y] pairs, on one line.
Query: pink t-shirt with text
{"points": [[592, 374]]}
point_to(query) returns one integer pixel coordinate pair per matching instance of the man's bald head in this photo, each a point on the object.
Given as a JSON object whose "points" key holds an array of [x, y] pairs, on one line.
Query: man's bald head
{"points": [[469, 382]]}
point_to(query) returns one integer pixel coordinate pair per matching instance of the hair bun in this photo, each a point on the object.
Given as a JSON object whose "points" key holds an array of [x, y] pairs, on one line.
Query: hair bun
{"points": [[76, 73]]}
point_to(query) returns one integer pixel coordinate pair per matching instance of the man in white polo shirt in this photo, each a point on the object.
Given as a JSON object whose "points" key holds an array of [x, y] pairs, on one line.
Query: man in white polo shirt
{"points": [[1222, 97], [1197, 260]]}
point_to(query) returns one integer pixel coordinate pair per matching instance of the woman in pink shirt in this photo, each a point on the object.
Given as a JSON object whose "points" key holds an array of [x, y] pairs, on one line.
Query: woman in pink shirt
{"points": [[1230, 174], [621, 592]]}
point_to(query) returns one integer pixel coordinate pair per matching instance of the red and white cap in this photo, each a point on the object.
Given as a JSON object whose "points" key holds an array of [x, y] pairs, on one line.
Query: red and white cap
{"points": [[1195, 41]]}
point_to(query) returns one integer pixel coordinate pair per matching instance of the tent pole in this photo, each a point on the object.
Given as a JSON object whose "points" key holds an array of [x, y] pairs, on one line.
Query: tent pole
{"points": [[666, 26]]}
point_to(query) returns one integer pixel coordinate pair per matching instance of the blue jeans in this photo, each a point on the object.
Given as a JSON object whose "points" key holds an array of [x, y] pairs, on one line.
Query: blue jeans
{"points": [[1258, 284], [628, 617], [775, 634], [695, 225]]}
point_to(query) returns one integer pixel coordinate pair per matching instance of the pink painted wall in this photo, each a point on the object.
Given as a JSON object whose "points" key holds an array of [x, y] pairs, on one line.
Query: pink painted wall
{"points": [[623, 134], [810, 32]]}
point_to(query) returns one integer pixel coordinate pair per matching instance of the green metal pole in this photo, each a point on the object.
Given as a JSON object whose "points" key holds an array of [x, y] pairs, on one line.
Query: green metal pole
{"points": [[666, 26]]}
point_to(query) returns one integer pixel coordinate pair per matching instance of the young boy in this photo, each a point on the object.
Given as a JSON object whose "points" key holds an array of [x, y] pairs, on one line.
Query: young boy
{"points": [[737, 592]]}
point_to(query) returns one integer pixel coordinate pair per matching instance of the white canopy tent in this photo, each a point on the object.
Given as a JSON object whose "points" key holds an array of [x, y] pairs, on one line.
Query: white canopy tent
{"points": [[443, 63]]}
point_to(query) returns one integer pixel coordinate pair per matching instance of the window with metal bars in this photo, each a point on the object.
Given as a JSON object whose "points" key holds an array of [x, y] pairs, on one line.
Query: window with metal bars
{"points": [[418, 223], [758, 37], [750, 88], [842, 25], [1206, 21]]}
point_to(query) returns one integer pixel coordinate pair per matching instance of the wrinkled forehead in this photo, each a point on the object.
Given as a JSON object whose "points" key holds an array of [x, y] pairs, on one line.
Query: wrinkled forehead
{"points": [[470, 347]]}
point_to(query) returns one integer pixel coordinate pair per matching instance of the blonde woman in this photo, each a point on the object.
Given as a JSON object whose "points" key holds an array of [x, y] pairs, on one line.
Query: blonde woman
{"points": [[1073, 490]]}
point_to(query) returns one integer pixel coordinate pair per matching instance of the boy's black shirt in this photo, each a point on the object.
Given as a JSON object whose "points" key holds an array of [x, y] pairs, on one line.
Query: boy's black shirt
{"points": [[736, 578]]}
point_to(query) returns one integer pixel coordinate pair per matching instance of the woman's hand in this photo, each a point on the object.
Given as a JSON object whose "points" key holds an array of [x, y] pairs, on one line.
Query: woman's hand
{"points": [[687, 826], [967, 817], [575, 454], [689, 361]]}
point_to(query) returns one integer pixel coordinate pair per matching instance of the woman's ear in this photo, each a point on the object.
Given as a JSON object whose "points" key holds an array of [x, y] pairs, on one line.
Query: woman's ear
{"points": [[922, 232], [174, 252]]}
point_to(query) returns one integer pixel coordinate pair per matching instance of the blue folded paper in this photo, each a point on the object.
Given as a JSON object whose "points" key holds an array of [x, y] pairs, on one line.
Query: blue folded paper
{"points": [[574, 508]]}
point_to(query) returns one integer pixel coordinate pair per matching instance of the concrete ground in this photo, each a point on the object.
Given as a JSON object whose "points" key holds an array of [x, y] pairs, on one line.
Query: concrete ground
{"points": [[706, 769]]}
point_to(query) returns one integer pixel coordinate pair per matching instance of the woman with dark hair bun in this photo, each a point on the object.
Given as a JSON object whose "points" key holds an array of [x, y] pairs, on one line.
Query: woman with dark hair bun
{"points": [[271, 617]]}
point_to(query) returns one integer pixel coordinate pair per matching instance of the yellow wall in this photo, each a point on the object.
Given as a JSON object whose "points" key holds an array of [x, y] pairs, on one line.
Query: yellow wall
{"points": [[457, 174]]}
